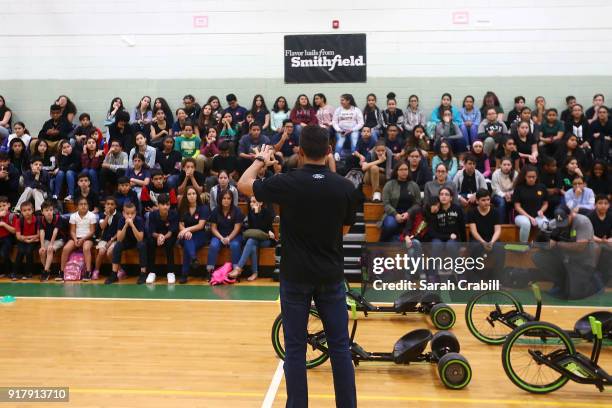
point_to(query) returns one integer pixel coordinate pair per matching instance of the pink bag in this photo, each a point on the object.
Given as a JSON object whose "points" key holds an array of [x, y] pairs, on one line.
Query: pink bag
{"points": [[220, 276], [75, 267]]}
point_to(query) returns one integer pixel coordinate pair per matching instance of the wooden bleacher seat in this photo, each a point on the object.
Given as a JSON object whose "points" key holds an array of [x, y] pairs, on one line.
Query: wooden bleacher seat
{"points": [[367, 191], [69, 207], [373, 211], [267, 256], [372, 232]]}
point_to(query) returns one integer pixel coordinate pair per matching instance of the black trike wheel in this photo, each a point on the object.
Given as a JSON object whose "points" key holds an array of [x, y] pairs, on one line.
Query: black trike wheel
{"points": [[442, 343], [531, 340], [482, 311], [454, 371], [314, 356], [442, 316]]}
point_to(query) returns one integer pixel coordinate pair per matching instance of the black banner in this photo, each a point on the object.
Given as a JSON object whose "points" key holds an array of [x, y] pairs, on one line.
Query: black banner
{"points": [[325, 58]]}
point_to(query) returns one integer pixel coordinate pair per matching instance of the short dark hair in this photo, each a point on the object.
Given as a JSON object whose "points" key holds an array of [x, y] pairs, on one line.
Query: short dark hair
{"points": [[568, 98], [36, 159], [598, 197], [187, 123], [83, 116], [551, 110], [156, 172], [163, 199], [116, 141], [481, 193], [26, 204], [46, 204], [519, 98], [123, 180], [189, 96], [224, 146], [314, 142], [81, 198], [55, 108], [4, 199], [4, 156], [231, 97], [470, 157], [122, 116], [188, 160], [129, 204], [254, 124], [83, 175], [111, 198], [287, 121]]}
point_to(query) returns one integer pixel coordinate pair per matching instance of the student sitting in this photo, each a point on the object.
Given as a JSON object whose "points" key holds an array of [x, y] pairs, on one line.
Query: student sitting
{"points": [[82, 228], [84, 131], [402, 200], [68, 164], [485, 230], [114, 165], [446, 157], [27, 231], [550, 177], [248, 143], [130, 234], [151, 193], [432, 188], [121, 131], [188, 144], [51, 237], [392, 115], [9, 178], [286, 143], [502, 183], [551, 133], [599, 181], [347, 122], [36, 183], [148, 152], [209, 148], [41, 149], [418, 139], [226, 221], [91, 160], [394, 142], [109, 222], [21, 133], [162, 230], [413, 115], [601, 219], [224, 184], [468, 181], [224, 161], [580, 198], [418, 168], [530, 202], [190, 177], [471, 119], [55, 129], [169, 162], [84, 190], [7, 235], [138, 174], [377, 166], [491, 131], [372, 117], [192, 235], [125, 194], [259, 223], [449, 131]]}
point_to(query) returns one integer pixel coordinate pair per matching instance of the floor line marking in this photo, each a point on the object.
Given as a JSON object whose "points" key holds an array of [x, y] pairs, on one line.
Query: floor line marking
{"points": [[273, 388], [535, 401], [144, 299]]}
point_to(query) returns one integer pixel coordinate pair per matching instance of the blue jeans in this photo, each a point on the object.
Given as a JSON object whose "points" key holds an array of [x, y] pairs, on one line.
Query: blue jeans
{"points": [[340, 142], [93, 177], [69, 176], [375, 134], [469, 133], [216, 245], [190, 248], [251, 250], [458, 145], [501, 208], [390, 229], [330, 300]]}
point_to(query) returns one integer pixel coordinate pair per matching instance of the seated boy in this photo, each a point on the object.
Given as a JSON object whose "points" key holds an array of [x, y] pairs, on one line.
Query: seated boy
{"points": [[7, 235], [161, 233], [130, 234], [188, 144], [36, 183], [150, 194], [51, 237], [125, 194], [114, 166], [84, 190], [109, 221], [85, 130], [27, 231]]}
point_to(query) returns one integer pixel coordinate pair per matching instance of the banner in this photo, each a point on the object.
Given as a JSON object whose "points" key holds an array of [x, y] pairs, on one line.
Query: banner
{"points": [[325, 58]]}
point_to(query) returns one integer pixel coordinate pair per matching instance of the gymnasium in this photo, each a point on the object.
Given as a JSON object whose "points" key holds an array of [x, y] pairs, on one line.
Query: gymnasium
{"points": [[148, 240]]}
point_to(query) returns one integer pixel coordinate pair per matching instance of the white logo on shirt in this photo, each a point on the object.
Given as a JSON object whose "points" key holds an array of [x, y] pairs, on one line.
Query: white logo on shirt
{"points": [[318, 176]]}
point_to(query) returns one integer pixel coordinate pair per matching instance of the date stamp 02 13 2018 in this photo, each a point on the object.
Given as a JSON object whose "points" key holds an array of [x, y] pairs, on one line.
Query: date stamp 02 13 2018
{"points": [[34, 394]]}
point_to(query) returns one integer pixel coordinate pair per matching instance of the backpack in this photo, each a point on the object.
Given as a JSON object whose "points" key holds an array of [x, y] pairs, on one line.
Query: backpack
{"points": [[75, 267], [220, 276]]}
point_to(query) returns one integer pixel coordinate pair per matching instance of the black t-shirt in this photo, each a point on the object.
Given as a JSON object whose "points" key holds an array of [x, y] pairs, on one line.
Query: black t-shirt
{"points": [[601, 228], [524, 146], [314, 205], [485, 224], [159, 226], [224, 163], [501, 153], [202, 212], [550, 180], [129, 238], [531, 198], [57, 222], [199, 178], [468, 186], [405, 199], [225, 223], [169, 163]]}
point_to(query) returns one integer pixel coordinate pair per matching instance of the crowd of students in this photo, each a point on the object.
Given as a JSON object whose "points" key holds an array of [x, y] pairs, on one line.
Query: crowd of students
{"points": [[153, 177]]}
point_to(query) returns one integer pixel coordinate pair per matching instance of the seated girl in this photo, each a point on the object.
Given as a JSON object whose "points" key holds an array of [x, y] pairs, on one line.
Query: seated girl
{"points": [[226, 222], [482, 160], [445, 156], [192, 235]]}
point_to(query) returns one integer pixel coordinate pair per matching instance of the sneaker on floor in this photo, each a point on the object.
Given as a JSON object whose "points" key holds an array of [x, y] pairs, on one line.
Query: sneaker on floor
{"points": [[95, 275], [68, 198], [111, 279], [336, 156], [86, 276], [44, 276], [183, 278], [14, 277], [171, 278], [151, 277], [59, 277], [142, 278], [377, 197], [121, 274], [2, 275], [25, 277]]}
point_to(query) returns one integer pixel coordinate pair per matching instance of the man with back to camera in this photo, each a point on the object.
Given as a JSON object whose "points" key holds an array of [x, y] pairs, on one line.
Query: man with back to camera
{"points": [[315, 204]]}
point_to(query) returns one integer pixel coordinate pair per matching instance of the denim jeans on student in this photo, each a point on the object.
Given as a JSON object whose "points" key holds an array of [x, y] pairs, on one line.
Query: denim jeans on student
{"points": [[251, 250], [469, 133], [69, 176], [501, 208], [190, 248], [525, 226], [6, 244], [330, 301], [340, 142], [121, 246], [375, 134], [390, 229], [93, 178], [215, 246]]}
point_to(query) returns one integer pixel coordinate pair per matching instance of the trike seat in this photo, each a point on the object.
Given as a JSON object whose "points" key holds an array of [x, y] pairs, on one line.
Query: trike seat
{"points": [[408, 301], [583, 326], [410, 346]]}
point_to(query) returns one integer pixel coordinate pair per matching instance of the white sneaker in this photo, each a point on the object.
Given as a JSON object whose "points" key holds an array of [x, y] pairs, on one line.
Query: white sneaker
{"points": [[337, 156], [377, 197], [171, 278], [68, 198], [150, 277]]}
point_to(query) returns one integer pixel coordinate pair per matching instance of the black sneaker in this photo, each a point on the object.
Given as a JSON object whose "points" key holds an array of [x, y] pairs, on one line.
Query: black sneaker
{"points": [[182, 278], [142, 278], [111, 279], [44, 276], [14, 277], [59, 277]]}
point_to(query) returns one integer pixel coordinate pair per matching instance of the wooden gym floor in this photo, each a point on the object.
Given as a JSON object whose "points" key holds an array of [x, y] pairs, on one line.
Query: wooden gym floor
{"points": [[158, 347]]}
